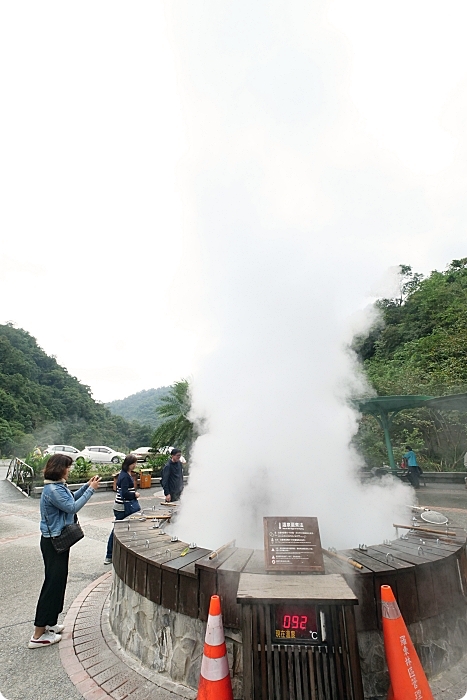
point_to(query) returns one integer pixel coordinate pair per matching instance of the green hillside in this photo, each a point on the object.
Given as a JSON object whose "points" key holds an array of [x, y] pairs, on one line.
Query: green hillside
{"points": [[41, 403], [141, 407], [420, 347]]}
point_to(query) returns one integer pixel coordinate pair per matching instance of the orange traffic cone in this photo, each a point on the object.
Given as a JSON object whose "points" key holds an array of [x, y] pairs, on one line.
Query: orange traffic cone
{"points": [[214, 682], [408, 680]]}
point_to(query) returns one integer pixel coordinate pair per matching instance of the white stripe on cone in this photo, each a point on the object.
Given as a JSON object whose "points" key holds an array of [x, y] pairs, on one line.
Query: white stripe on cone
{"points": [[214, 669], [215, 631]]}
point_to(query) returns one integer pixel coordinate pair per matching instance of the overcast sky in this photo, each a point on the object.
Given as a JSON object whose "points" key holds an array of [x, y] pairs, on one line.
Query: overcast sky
{"points": [[102, 104]]}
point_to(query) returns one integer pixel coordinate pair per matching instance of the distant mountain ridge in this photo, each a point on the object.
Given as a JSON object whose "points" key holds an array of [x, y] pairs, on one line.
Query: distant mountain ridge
{"points": [[141, 407]]}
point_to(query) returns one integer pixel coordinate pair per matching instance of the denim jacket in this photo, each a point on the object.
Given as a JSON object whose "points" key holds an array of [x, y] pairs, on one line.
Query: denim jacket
{"points": [[59, 505]]}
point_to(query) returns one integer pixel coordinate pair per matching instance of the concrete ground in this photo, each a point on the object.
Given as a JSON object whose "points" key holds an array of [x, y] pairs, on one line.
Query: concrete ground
{"points": [[38, 674]]}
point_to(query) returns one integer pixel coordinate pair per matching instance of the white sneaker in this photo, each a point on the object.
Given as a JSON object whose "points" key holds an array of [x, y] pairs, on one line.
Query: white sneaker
{"points": [[45, 640], [54, 628], [108, 560]]}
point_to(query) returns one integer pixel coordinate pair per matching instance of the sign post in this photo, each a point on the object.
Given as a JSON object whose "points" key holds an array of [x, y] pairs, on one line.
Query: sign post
{"points": [[293, 544]]}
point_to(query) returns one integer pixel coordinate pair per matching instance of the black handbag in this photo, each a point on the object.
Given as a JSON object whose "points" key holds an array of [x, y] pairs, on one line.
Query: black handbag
{"points": [[70, 535]]}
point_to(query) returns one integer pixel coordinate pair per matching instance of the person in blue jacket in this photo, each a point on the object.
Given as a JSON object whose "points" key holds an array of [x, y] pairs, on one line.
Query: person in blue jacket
{"points": [[172, 477], [58, 508], [126, 499], [412, 466]]}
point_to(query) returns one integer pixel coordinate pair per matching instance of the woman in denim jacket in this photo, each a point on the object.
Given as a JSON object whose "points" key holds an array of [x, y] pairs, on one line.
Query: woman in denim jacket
{"points": [[58, 508]]}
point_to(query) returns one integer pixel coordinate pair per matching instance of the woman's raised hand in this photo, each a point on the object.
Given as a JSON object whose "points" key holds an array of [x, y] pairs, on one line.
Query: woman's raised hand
{"points": [[94, 482]]}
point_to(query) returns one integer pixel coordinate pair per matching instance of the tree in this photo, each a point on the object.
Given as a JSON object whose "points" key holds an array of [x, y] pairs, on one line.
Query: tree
{"points": [[420, 348], [177, 428]]}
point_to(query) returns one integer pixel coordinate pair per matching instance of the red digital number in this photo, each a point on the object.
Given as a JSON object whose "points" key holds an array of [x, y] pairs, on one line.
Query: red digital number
{"points": [[295, 622], [286, 624], [303, 621]]}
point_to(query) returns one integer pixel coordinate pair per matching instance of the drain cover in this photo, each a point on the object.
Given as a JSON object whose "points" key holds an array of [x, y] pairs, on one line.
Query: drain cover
{"points": [[432, 516]]}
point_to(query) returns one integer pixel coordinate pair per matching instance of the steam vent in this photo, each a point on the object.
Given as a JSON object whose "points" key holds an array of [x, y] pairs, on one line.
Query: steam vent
{"points": [[161, 592]]}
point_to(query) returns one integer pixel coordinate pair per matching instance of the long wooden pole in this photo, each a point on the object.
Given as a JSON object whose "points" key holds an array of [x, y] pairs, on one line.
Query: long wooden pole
{"points": [[425, 529], [216, 552], [352, 562]]}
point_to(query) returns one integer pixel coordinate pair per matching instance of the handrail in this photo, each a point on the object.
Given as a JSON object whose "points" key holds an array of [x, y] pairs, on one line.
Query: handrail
{"points": [[20, 475]]}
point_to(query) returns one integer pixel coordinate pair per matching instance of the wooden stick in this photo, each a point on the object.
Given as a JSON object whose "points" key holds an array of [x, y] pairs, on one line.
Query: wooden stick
{"points": [[426, 529], [216, 552], [352, 562]]}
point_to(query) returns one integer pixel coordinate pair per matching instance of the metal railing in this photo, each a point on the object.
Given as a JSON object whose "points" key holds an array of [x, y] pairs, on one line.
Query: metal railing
{"points": [[21, 475]]}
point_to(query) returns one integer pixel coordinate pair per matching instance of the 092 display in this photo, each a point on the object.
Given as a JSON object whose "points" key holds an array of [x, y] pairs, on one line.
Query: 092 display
{"points": [[295, 625]]}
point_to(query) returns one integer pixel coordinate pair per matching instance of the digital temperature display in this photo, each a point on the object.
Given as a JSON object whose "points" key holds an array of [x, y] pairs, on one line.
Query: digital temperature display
{"points": [[295, 624]]}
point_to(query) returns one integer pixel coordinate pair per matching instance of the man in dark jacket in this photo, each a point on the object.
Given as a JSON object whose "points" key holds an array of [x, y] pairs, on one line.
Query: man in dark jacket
{"points": [[172, 477]]}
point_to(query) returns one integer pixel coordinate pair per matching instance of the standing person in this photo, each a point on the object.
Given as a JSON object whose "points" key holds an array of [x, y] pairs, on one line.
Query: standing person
{"points": [[413, 468], [172, 477], [58, 508], [126, 499]]}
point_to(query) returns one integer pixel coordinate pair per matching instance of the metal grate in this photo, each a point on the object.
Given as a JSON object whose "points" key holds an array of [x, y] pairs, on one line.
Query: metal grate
{"points": [[328, 670]]}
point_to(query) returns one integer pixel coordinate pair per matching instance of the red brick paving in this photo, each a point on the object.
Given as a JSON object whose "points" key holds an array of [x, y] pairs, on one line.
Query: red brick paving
{"points": [[88, 654], [96, 672]]}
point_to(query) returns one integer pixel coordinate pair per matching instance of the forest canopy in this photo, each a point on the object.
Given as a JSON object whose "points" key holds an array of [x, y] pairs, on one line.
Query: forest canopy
{"points": [[420, 347], [41, 403]]}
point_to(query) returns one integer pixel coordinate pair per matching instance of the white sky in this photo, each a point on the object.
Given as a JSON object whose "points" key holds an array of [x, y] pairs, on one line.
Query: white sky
{"points": [[94, 207]]}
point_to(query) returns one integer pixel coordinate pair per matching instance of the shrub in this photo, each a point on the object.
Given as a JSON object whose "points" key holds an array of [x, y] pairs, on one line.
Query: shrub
{"points": [[157, 462]]}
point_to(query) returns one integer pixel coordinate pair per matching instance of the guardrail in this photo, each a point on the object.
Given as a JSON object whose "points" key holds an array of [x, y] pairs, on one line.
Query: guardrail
{"points": [[20, 475]]}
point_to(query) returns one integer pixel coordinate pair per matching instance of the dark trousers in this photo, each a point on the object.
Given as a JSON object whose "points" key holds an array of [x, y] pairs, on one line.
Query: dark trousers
{"points": [[50, 603], [119, 515], [414, 477]]}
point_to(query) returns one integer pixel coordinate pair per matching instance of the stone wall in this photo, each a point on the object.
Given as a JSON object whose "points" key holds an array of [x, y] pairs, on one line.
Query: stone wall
{"points": [[166, 641], [440, 643]]}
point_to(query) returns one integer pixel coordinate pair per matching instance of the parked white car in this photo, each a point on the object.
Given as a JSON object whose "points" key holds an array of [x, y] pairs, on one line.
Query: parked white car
{"points": [[101, 453], [63, 450]]}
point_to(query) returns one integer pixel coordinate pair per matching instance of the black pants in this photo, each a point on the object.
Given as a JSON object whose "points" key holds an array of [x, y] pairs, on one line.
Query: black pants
{"points": [[414, 477], [50, 603]]}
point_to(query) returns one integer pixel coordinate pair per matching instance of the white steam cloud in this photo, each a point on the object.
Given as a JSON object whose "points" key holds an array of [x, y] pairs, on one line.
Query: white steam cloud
{"points": [[291, 216]]}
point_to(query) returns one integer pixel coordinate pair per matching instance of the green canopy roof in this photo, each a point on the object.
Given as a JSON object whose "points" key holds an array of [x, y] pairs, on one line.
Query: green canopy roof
{"points": [[384, 408]]}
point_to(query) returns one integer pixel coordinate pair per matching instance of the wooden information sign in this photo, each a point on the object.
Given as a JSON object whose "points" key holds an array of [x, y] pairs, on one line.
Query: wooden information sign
{"points": [[292, 544]]}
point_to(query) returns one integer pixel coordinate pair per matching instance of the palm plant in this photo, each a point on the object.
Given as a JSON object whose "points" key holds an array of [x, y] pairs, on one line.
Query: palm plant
{"points": [[176, 428]]}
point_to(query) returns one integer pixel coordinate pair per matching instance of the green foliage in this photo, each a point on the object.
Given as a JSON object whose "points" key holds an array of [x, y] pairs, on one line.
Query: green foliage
{"points": [[105, 471], [40, 403], [176, 427], [36, 462], [141, 407], [420, 348], [156, 462], [80, 470]]}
